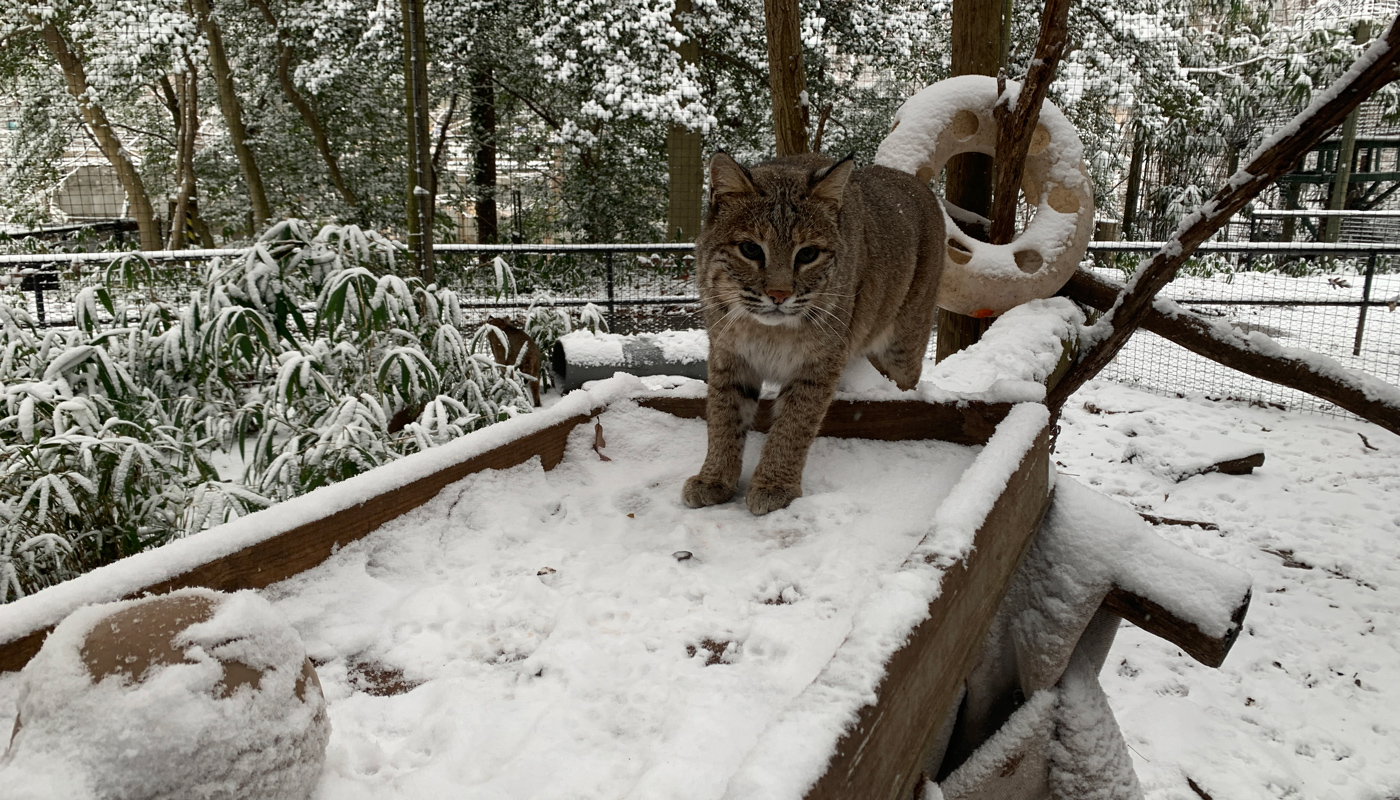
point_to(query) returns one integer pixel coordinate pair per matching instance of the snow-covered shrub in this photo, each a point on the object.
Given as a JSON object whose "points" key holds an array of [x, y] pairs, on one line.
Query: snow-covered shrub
{"points": [[306, 358]]}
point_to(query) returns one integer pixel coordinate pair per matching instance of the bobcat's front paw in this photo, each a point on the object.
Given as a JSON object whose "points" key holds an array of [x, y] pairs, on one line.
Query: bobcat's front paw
{"points": [[763, 499], [699, 492]]}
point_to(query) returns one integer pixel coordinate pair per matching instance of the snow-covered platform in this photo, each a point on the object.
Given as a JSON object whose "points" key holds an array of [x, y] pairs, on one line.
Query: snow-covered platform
{"points": [[511, 615]]}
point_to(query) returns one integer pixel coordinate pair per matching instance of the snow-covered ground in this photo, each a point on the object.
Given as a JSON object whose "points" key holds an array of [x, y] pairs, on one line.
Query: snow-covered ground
{"points": [[1304, 707], [1306, 704]]}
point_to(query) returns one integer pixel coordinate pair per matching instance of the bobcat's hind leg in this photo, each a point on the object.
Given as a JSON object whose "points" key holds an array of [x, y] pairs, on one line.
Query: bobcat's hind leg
{"points": [[902, 360], [729, 410]]}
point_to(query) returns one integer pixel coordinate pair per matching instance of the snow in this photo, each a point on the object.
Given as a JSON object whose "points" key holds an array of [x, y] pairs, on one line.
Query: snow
{"points": [[1013, 359], [560, 648], [174, 731], [1303, 706], [128, 575], [588, 349]]}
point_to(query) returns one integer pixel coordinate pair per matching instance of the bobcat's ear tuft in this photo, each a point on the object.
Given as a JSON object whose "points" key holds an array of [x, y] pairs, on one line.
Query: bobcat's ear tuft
{"points": [[728, 177], [829, 183]]}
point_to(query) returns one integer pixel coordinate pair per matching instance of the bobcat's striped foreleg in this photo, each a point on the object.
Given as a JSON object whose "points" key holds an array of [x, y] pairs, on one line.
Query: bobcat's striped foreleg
{"points": [[802, 405], [729, 410]]}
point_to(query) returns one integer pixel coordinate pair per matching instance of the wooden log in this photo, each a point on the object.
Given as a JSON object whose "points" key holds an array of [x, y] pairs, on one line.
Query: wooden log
{"points": [[882, 756], [1376, 68], [301, 548], [978, 28], [1232, 348], [1015, 125], [1156, 620]]}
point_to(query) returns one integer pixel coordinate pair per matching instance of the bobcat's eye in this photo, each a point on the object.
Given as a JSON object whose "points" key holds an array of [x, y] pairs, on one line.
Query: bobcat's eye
{"points": [[751, 251], [807, 255]]}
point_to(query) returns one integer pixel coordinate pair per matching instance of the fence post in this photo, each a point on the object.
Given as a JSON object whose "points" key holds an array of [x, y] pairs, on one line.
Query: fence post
{"points": [[1365, 304], [612, 306]]}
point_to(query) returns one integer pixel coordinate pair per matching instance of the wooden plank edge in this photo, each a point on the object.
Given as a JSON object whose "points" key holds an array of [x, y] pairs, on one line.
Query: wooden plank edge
{"points": [[965, 422], [301, 548], [1153, 618], [882, 754]]}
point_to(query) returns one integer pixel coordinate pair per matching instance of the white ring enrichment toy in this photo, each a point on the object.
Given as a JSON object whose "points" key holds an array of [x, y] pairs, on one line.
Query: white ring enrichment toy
{"points": [[981, 279]]}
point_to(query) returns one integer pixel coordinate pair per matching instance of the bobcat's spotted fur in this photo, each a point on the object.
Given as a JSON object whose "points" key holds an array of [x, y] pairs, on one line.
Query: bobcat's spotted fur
{"points": [[801, 266]]}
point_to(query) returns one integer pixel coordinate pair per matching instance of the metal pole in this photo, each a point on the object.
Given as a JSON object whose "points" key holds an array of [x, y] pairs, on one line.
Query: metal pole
{"points": [[612, 305], [39, 300], [1365, 304]]}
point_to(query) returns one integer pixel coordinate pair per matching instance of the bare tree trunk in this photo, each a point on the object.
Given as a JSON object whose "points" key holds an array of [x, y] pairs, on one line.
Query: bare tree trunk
{"points": [[483, 117], [978, 27], [75, 76], [232, 111], [1341, 184], [420, 158], [305, 108], [1130, 200], [786, 79], [683, 155], [187, 95]]}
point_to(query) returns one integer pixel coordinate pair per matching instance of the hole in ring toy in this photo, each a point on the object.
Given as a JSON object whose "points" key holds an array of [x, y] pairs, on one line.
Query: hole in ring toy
{"points": [[980, 279]]}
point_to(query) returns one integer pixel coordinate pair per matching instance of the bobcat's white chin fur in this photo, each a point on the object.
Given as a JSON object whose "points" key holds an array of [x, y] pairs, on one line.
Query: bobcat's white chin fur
{"points": [[776, 318]]}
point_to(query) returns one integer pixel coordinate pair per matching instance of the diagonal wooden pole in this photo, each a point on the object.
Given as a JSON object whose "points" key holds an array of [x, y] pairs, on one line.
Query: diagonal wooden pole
{"points": [[1015, 125], [1376, 68]]}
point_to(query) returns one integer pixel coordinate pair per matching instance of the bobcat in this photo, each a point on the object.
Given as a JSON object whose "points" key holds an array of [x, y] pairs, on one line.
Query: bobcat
{"points": [[801, 266]]}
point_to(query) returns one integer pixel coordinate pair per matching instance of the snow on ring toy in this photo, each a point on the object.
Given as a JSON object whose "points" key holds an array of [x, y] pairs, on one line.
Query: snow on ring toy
{"points": [[981, 279]]}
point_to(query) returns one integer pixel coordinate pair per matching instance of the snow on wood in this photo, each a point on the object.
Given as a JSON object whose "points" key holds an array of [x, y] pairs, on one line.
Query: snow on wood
{"points": [[558, 644], [29, 616], [1014, 359]]}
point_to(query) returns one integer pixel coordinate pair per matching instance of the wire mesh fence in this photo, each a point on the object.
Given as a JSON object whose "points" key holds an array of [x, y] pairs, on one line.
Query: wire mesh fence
{"points": [[1336, 300]]}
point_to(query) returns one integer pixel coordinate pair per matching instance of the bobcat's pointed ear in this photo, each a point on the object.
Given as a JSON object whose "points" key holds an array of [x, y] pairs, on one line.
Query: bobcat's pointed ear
{"points": [[728, 177], [829, 183]]}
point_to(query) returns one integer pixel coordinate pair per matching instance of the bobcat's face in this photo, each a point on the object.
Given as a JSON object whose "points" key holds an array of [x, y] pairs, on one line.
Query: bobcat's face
{"points": [[771, 247]]}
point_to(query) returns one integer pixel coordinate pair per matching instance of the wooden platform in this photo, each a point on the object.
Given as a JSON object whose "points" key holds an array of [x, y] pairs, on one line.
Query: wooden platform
{"points": [[882, 754]]}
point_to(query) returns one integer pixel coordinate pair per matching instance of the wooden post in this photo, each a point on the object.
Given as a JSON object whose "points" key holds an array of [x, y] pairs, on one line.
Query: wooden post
{"points": [[979, 30], [786, 79], [1130, 199], [683, 154]]}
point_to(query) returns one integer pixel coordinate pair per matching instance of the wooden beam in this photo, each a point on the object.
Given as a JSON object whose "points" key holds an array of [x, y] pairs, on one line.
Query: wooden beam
{"points": [[301, 548], [1376, 68], [885, 420], [1229, 348], [978, 32], [882, 756], [1156, 620]]}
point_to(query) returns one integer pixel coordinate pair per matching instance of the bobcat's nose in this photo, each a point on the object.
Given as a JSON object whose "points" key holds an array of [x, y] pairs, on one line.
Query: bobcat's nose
{"points": [[779, 295]]}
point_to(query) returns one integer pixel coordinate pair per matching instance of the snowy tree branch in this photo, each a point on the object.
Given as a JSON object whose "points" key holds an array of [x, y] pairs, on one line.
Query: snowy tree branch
{"points": [[1376, 68]]}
